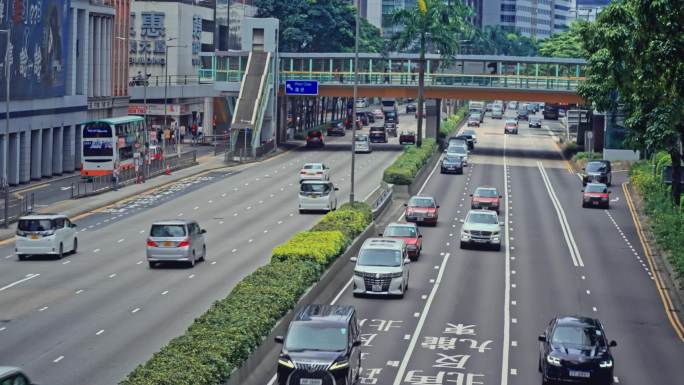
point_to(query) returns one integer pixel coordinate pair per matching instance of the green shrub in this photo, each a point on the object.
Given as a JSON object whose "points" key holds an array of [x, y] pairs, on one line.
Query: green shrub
{"points": [[586, 156], [321, 247], [450, 125], [666, 219], [404, 170], [221, 339]]}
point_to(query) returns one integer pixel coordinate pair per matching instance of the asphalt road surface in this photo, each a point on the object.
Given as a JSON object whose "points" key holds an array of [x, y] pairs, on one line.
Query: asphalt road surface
{"points": [[92, 317], [473, 316]]}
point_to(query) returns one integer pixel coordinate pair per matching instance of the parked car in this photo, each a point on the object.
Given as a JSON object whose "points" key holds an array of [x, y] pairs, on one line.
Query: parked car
{"points": [[407, 137], [336, 129], [176, 241], [575, 349], [410, 234], [481, 227], [322, 342], [362, 144], [534, 121], [315, 139], [382, 268], [314, 171], [318, 195], [45, 234], [597, 171], [377, 134], [596, 195], [485, 198], [422, 209], [511, 127]]}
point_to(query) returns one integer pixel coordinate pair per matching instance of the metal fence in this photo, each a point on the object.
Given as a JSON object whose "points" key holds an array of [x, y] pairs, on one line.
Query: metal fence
{"points": [[14, 205], [97, 185]]}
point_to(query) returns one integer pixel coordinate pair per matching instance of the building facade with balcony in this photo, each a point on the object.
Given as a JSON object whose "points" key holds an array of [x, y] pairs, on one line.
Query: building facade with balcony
{"points": [[532, 18]]}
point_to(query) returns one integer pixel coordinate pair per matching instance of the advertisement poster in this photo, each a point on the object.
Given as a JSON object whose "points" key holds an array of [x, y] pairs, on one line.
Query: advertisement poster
{"points": [[39, 48]]}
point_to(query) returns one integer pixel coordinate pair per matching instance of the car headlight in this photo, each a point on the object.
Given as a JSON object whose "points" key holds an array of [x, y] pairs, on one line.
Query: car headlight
{"points": [[466, 232], [339, 365], [429, 215], [396, 275], [411, 247], [358, 274], [285, 362], [555, 361], [606, 364], [495, 233]]}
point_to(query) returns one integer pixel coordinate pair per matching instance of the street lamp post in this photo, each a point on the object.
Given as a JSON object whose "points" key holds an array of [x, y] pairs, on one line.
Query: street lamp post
{"points": [[166, 87], [356, 89], [5, 143]]}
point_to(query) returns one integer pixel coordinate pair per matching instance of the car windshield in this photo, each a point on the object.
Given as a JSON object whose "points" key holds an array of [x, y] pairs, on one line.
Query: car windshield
{"points": [[511, 121], [596, 188], [379, 257], [169, 231], [578, 335], [482, 218], [452, 159], [400, 231], [315, 336], [468, 132], [361, 138], [457, 150], [315, 188], [475, 116], [313, 166], [422, 202], [36, 225], [596, 167], [486, 193]]}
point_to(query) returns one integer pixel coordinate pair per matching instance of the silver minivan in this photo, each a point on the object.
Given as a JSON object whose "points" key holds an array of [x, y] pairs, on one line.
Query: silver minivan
{"points": [[176, 241]]}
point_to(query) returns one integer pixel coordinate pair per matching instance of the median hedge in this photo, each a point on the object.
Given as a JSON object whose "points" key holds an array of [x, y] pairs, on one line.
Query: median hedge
{"points": [[666, 220], [451, 124], [404, 170], [219, 341]]}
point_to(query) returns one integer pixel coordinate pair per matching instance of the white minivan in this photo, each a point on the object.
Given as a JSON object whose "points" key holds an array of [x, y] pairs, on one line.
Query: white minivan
{"points": [[317, 195], [45, 234]]}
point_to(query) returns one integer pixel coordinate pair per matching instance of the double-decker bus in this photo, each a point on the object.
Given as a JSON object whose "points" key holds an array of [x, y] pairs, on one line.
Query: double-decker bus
{"points": [[111, 142]]}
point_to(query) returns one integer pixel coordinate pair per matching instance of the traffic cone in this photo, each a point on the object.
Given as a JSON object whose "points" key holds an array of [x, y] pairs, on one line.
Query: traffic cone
{"points": [[168, 169]]}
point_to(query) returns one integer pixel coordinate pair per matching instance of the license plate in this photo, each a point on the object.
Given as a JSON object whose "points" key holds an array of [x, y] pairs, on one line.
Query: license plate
{"points": [[310, 381], [34, 236], [376, 288], [579, 373], [480, 240], [167, 244], [595, 203]]}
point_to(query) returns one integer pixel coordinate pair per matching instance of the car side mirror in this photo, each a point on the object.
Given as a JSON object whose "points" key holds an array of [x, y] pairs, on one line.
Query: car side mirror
{"points": [[357, 343], [279, 339], [437, 206], [612, 344], [542, 338], [584, 169], [380, 235], [203, 231], [337, 189], [582, 190], [610, 192], [73, 225], [405, 204], [420, 236], [353, 259], [471, 194], [500, 196], [445, 151], [407, 261]]}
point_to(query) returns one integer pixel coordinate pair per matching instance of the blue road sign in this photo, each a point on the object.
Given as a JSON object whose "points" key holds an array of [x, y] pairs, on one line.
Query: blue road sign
{"points": [[301, 87]]}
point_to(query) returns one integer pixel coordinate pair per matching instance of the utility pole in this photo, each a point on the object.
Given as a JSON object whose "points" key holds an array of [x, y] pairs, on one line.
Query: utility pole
{"points": [[356, 90], [5, 143]]}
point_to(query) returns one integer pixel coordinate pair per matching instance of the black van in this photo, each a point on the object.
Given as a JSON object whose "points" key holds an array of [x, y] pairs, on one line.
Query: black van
{"points": [[322, 347]]}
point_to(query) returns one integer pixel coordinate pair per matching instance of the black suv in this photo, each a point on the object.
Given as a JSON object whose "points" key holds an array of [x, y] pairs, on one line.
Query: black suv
{"points": [[576, 350], [597, 171], [322, 347]]}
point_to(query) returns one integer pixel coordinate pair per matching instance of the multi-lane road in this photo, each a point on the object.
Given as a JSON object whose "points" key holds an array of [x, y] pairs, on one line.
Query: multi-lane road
{"points": [[92, 317], [473, 316]]}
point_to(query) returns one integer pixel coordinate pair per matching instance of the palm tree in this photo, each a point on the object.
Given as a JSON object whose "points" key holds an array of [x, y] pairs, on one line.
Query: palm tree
{"points": [[443, 24]]}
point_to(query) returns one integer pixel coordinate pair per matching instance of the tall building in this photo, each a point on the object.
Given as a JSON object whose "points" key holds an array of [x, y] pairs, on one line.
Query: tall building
{"points": [[388, 8], [535, 18], [589, 9], [370, 10]]}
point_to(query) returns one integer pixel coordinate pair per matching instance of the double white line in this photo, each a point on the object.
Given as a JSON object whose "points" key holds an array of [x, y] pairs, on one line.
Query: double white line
{"points": [[567, 232]]}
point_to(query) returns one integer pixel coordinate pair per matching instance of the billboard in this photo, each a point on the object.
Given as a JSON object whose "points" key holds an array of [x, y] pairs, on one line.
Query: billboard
{"points": [[39, 49]]}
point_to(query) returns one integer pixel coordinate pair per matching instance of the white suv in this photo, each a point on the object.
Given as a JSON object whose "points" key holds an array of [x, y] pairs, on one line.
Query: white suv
{"points": [[317, 195], [51, 234], [382, 267], [481, 227]]}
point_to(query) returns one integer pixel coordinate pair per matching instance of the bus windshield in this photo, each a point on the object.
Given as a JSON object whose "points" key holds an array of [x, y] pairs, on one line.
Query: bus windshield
{"points": [[97, 140]]}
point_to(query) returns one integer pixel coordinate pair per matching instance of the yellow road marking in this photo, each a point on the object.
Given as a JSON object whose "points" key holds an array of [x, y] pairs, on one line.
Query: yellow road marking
{"points": [[36, 187], [662, 290]]}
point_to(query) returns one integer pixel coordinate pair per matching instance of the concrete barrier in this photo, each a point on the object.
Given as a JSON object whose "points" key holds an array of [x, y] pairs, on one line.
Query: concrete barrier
{"points": [[264, 358]]}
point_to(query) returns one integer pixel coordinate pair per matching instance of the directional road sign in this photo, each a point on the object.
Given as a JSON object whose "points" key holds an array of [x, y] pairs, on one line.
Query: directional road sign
{"points": [[301, 87]]}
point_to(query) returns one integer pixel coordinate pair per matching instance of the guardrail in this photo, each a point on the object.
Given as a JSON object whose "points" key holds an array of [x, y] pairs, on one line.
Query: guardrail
{"points": [[380, 198], [100, 184], [173, 80], [17, 205]]}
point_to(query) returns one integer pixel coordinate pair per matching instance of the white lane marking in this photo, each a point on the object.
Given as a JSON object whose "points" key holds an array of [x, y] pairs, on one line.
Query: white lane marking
{"points": [[594, 308], [15, 283], [234, 250], [251, 240], [196, 208], [137, 309], [337, 297], [589, 292], [79, 291], [407, 336], [112, 275], [56, 360], [213, 262], [191, 276], [567, 231], [2, 328], [121, 240], [66, 262], [508, 285], [8, 257], [421, 322], [416, 315], [96, 251], [43, 308], [99, 332], [165, 292], [139, 263]]}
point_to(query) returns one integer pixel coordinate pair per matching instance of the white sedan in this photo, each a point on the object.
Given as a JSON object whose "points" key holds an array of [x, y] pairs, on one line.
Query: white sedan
{"points": [[314, 171]]}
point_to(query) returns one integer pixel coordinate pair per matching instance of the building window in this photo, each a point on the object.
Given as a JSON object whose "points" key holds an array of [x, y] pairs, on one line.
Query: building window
{"points": [[508, 18]]}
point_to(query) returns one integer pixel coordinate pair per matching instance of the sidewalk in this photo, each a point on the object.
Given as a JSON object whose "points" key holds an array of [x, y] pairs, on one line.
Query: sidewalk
{"points": [[78, 208]]}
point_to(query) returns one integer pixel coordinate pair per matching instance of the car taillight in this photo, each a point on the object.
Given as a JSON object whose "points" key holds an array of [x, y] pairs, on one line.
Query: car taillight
{"points": [[151, 243], [319, 172], [302, 172], [184, 243]]}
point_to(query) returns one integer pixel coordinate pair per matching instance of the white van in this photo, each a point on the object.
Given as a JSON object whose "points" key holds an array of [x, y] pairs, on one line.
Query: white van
{"points": [[318, 195], [46, 234]]}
